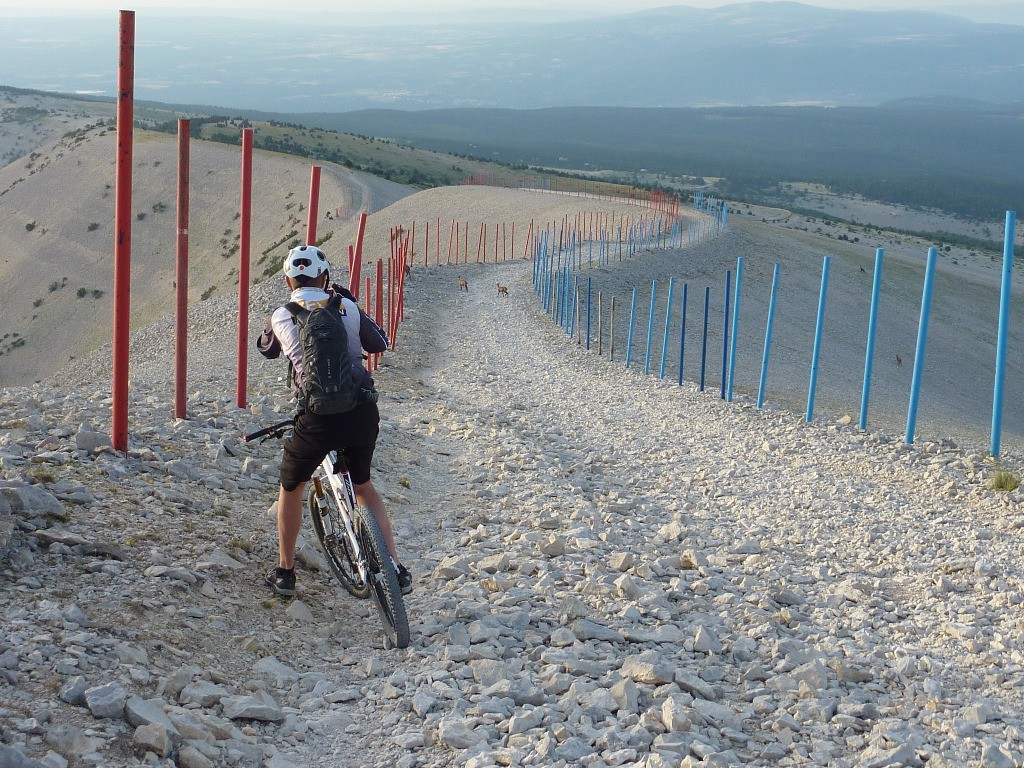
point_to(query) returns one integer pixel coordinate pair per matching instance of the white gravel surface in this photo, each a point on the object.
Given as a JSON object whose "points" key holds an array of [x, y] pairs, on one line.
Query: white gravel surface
{"points": [[610, 570]]}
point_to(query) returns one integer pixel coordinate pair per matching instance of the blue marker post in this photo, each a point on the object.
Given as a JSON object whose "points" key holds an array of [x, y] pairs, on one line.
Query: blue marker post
{"points": [[668, 317], [588, 313], [575, 311], [650, 328], [922, 339], [876, 288], [725, 332], [735, 329], [818, 329], [682, 337], [704, 345], [632, 321], [768, 337], [1004, 330]]}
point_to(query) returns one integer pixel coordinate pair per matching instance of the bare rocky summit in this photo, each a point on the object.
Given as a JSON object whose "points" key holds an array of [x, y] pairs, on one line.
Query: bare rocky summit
{"points": [[611, 570]]}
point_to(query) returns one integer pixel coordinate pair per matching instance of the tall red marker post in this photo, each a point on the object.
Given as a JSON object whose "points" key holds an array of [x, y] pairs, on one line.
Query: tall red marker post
{"points": [[123, 229], [243, 268], [181, 275], [314, 204]]}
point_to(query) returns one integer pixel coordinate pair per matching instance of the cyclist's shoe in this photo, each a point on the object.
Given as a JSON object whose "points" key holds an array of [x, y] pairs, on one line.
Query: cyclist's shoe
{"points": [[282, 581], [404, 579]]}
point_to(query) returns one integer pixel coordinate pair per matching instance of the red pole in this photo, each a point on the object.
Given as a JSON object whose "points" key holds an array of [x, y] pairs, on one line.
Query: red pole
{"points": [[451, 236], [243, 269], [181, 275], [378, 306], [357, 263], [371, 363], [351, 258], [123, 229], [426, 244], [480, 242], [314, 204], [390, 279], [405, 261]]}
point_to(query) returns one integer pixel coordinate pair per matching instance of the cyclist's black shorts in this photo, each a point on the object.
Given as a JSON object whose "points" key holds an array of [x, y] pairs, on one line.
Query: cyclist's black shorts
{"points": [[354, 432]]}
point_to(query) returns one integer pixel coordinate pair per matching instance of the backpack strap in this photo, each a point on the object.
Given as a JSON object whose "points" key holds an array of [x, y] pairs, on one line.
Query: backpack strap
{"points": [[297, 310], [334, 302]]}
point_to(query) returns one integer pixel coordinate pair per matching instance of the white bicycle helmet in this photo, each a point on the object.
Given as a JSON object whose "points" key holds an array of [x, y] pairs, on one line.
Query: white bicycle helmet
{"points": [[306, 260]]}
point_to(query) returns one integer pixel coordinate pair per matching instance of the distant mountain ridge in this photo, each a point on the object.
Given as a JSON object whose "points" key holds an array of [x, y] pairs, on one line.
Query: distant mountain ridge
{"points": [[737, 55], [958, 155]]}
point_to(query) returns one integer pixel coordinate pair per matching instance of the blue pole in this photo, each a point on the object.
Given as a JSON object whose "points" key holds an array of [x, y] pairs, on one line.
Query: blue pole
{"points": [[768, 337], [575, 304], [588, 313], [818, 329], [632, 319], [704, 345], [1004, 330], [682, 337], [650, 328], [725, 333], [570, 280], [735, 329], [668, 317], [876, 289], [922, 339]]}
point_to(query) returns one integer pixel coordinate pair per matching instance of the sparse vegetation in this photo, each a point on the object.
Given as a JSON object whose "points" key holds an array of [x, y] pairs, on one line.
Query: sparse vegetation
{"points": [[30, 226], [41, 475], [93, 227], [1004, 480]]}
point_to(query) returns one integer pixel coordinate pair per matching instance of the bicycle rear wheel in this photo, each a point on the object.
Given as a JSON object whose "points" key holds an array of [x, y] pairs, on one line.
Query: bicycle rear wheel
{"points": [[334, 541], [386, 593]]}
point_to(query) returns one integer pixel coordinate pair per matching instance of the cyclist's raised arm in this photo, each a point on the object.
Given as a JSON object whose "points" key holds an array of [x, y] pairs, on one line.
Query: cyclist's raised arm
{"points": [[268, 344], [371, 336]]}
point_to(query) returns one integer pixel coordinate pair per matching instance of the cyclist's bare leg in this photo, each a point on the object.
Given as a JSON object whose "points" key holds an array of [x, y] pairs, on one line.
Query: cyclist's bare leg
{"points": [[289, 522], [368, 496]]}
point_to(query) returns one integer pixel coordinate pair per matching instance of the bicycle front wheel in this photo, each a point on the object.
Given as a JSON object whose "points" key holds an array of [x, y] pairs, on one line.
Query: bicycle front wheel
{"points": [[330, 531], [386, 593]]}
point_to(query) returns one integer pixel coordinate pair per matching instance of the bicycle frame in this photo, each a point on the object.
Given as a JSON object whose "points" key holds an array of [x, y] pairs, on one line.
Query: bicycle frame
{"points": [[344, 492]]}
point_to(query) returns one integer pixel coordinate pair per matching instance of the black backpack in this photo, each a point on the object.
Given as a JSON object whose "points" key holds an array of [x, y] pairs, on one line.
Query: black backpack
{"points": [[329, 385]]}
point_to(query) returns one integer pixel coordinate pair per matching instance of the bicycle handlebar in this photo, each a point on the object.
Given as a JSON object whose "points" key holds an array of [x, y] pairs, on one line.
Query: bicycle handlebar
{"points": [[275, 430]]}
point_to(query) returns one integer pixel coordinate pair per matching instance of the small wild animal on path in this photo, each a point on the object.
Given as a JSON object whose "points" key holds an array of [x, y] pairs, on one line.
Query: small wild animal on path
{"points": [[463, 285], [503, 290]]}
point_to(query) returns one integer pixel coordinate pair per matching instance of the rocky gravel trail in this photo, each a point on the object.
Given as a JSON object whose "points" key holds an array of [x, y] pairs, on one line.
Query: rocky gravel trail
{"points": [[611, 570]]}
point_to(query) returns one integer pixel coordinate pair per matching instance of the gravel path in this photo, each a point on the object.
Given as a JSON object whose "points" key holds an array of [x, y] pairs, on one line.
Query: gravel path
{"points": [[611, 570]]}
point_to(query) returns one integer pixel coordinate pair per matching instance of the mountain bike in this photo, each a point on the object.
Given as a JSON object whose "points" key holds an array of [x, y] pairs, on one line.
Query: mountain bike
{"points": [[351, 539]]}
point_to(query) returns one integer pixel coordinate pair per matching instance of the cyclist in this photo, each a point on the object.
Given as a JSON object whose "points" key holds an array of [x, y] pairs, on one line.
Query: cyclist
{"points": [[307, 273]]}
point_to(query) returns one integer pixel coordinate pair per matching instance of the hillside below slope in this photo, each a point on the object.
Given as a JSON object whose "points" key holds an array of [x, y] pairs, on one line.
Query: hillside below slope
{"points": [[57, 238]]}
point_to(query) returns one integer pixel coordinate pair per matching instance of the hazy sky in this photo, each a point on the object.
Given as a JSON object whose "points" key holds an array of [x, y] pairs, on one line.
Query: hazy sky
{"points": [[302, 7]]}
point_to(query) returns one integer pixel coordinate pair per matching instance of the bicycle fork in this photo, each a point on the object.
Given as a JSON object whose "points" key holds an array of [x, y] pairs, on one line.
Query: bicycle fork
{"points": [[348, 519]]}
